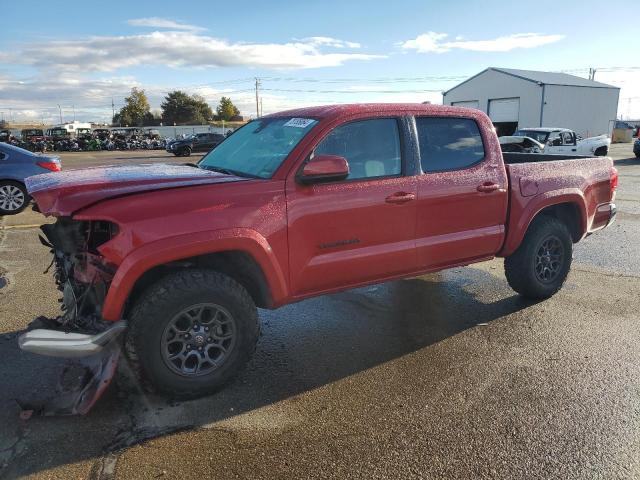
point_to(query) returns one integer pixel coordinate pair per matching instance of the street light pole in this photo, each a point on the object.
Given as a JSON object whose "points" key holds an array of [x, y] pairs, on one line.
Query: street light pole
{"points": [[60, 109]]}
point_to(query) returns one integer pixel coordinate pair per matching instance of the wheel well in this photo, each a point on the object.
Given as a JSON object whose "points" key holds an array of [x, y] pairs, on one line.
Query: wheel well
{"points": [[601, 151], [567, 213], [236, 264]]}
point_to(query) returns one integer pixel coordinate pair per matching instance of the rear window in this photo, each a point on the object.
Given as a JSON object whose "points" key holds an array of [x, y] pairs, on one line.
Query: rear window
{"points": [[448, 143]]}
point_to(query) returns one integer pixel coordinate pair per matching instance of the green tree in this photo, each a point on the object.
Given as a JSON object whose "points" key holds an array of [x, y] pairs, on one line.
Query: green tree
{"points": [[226, 109], [135, 110], [182, 109]]}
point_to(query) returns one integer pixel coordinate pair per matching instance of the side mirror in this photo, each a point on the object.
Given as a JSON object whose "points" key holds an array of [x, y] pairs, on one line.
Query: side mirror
{"points": [[324, 168]]}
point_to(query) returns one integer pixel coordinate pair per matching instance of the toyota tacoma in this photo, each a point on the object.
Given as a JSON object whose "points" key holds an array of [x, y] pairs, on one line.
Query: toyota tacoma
{"points": [[171, 261]]}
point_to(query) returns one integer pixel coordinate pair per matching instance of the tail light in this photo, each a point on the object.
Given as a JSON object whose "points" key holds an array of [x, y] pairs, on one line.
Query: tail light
{"points": [[614, 179], [53, 166]]}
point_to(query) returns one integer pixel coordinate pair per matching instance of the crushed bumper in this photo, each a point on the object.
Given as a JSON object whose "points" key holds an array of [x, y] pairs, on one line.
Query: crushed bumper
{"points": [[57, 343], [94, 360], [79, 387]]}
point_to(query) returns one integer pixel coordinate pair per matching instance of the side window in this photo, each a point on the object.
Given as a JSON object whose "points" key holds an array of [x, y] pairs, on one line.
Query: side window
{"points": [[448, 143], [555, 139], [372, 147], [567, 138]]}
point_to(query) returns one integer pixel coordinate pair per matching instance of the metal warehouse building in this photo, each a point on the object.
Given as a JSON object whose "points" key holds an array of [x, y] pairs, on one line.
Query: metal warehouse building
{"points": [[524, 98]]}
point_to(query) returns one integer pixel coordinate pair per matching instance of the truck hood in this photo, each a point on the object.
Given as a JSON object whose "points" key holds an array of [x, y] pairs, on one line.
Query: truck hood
{"points": [[63, 193]]}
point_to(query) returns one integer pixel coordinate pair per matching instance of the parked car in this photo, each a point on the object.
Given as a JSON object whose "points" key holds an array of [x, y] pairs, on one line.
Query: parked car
{"points": [[520, 144], [16, 164], [565, 141], [32, 135], [294, 205], [636, 148], [199, 142], [5, 135], [57, 134], [102, 133], [84, 133]]}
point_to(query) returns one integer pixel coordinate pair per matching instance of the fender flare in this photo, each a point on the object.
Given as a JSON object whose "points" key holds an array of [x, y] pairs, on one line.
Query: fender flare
{"points": [[517, 230], [182, 247]]}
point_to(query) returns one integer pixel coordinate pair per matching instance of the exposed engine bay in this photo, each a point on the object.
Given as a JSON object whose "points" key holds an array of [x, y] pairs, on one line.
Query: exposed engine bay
{"points": [[79, 271]]}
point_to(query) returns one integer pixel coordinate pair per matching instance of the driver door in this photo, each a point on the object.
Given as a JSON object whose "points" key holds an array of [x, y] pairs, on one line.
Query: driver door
{"points": [[357, 230]]}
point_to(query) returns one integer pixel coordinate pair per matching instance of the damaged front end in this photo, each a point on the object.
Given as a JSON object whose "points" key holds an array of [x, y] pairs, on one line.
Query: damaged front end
{"points": [[83, 277]]}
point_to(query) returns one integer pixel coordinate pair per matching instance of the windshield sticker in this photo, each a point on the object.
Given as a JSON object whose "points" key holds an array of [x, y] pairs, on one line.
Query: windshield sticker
{"points": [[299, 122]]}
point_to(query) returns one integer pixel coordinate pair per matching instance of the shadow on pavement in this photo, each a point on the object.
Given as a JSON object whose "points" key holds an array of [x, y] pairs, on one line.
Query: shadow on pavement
{"points": [[627, 161], [303, 347]]}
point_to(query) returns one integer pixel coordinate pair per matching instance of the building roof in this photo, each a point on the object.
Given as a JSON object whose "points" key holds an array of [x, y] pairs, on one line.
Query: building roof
{"points": [[543, 78]]}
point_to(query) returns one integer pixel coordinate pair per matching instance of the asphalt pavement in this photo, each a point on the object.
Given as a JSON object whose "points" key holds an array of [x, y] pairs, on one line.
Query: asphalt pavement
{"points": [[449, 375]]}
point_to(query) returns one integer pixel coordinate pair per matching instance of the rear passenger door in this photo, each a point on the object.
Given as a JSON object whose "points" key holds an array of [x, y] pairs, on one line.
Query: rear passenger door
{"points": [[462, 193], [361, 229]]}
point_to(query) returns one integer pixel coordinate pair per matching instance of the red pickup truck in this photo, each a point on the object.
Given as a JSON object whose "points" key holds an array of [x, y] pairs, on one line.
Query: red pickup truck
{"points": [[293, 205]]}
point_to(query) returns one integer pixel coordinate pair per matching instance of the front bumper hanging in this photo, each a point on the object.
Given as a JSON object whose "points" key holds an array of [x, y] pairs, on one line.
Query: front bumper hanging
{"points": [[94, 360]]}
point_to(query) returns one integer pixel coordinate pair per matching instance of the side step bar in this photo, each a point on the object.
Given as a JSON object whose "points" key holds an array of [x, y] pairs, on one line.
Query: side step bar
{"points": [[55, 343]]}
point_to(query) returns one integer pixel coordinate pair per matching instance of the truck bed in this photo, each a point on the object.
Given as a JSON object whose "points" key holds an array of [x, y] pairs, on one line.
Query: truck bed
{"points": [[582, 183], [511, 158]]}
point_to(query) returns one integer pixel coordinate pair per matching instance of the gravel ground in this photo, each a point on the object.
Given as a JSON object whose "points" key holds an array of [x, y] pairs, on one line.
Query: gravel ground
{"points": [[448, 375]]}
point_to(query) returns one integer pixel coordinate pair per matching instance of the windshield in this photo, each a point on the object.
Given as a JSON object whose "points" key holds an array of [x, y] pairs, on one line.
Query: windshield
{"points": [[258, 148], [536, 135]]}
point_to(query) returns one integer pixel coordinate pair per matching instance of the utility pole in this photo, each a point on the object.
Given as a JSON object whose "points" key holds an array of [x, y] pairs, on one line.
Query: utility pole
{"points": [[113, 111], [60, 110], [74, 113], [592, 74], [257, 101]]}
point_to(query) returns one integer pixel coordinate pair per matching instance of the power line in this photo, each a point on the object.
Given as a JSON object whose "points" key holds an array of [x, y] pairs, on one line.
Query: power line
{"points": [[293, 90]]}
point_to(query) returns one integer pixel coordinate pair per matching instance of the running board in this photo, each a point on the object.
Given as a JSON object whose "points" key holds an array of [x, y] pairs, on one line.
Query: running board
{"points": [[55, 343]]}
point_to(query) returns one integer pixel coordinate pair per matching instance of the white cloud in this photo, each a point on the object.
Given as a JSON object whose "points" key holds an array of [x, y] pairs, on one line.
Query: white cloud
{"points": [[433, 42], [164, 23], [182, 49], [331, 42]]}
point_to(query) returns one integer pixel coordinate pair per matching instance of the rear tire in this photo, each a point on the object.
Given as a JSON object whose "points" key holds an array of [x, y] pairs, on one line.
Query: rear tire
{"points": [[191, 332], [540, 265], [13, 197]]}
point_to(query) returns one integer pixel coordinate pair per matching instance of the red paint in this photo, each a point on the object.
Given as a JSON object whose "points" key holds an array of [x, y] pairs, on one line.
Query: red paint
{"points": [[326, 165], [324, 237]]}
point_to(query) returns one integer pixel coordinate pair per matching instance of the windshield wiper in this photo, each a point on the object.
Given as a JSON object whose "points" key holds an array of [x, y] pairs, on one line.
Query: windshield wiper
{"points": [[228, 171]]}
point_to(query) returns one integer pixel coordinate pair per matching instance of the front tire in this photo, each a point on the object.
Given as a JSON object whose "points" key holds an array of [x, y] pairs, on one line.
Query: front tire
{"points": [[13, 197], [539, 267], [185, 151], [191, 332]]}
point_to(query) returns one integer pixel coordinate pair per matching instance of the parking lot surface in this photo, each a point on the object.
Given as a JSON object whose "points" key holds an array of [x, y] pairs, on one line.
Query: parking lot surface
{"points": [[449, 375]]}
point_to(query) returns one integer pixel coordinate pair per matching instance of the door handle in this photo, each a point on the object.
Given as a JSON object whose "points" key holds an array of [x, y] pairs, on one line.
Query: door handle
{"points": [[400, 197], [488, 187]]}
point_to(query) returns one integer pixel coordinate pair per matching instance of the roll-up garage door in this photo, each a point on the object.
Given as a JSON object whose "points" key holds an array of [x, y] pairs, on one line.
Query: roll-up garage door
{"points": [[504, 110], [468, 104]]}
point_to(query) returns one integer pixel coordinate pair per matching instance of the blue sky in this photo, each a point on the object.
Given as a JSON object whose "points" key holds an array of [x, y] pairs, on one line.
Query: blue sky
{"points": [[305, 52]]}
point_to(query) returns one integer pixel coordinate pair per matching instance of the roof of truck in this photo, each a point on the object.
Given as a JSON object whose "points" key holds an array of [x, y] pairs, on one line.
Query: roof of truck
{"points": [[324, 111]]}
